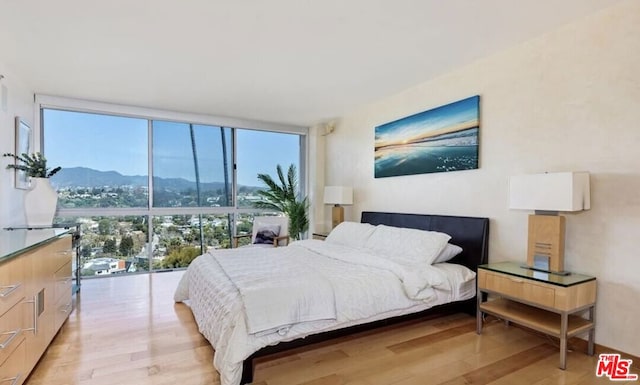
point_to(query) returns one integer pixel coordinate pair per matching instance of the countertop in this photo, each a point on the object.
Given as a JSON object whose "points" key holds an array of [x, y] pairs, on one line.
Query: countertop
{"points": [[18, 241]]}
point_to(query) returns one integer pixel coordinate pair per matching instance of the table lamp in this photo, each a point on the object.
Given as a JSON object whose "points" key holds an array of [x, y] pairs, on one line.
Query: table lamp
{"points": [[548, 194], [337, 196]]}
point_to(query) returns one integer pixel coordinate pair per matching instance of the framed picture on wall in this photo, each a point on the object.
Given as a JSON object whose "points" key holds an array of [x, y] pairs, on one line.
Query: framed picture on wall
{"points": [[437, 140], [23, 145]]}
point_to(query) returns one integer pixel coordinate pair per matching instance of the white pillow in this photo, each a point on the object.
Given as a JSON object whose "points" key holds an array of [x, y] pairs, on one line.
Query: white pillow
{"points": [[351, 234], [407, 246], [449, 251]]}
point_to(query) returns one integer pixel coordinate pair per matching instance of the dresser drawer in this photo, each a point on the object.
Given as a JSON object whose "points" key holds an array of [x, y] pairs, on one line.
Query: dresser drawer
{"points": [[518, 288], [11, 334], [63, 308], [63, 282], [12, 283], [57, 253], [13, 370], [63, 295]]}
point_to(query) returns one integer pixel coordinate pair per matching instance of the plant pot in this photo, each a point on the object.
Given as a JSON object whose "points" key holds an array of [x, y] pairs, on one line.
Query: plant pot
{"points": [[40, 203]]}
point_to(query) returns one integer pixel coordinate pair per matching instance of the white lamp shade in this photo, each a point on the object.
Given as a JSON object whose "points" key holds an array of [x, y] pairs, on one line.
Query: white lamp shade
{"points": [[338, 195], [559, 191]]}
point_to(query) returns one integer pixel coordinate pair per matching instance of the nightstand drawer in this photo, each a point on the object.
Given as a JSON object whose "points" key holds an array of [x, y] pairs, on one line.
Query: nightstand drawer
{"points": [[516, 287]]}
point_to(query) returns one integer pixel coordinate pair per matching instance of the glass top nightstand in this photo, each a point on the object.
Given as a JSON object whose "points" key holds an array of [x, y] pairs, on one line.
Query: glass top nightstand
{"points": [[517, 270], [548, 303]]}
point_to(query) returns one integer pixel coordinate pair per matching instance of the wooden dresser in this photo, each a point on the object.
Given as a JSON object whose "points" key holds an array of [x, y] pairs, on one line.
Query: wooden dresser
{"points": [[35, 296]]}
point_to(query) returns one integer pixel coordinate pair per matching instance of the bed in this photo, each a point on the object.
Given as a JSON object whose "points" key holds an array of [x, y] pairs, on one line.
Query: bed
{"points": [[323, 290]]}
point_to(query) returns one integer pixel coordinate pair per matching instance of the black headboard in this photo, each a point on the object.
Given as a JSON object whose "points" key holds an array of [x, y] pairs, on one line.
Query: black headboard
{"points": [[470, 233]]}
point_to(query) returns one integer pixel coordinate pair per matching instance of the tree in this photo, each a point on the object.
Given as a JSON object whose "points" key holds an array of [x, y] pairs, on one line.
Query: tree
{"points": [[109, 246], [126, 245], [173, 245], [285, 197], [85, 252], [104, 226], [181, 257]]}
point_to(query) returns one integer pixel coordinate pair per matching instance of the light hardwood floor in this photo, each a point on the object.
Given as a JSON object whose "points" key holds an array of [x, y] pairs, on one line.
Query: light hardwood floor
{"points": [[127, 330]]}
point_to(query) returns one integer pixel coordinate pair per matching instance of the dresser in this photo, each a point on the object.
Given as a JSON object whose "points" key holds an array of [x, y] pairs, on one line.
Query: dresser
{"points": [[35, 296], [548, 303]]}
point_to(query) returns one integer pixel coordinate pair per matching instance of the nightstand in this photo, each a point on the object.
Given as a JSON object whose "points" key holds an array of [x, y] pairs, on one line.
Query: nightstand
{"points": [[320, 235], [551, 304]]}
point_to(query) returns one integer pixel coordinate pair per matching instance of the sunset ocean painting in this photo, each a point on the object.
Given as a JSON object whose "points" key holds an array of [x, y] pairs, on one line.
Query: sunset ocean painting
{"points": [[438, 140]]}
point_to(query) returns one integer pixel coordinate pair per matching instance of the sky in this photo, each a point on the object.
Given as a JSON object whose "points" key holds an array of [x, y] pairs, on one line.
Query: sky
{"points": [[115, 143], [444, 118]]}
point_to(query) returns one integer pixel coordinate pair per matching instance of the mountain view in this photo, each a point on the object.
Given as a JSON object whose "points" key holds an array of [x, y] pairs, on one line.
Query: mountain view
{"points": [[81, 187], [82, 177]]}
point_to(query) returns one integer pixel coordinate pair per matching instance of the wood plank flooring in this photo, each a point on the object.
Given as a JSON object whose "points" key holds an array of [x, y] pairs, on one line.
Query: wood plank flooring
{"points": [[127, 330]]}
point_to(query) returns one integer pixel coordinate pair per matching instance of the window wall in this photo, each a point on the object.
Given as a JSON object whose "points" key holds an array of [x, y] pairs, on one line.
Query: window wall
{"points": [[104, 157], [153, 189], [192, 165]]}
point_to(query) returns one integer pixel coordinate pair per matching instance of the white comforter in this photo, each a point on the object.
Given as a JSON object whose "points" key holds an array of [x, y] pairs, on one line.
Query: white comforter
{"points": [[364, 286], [278, 290]]}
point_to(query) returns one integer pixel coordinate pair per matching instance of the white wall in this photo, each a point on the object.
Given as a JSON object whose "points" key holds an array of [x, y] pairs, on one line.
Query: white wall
{"points": [[19, 103], [568, 100]]}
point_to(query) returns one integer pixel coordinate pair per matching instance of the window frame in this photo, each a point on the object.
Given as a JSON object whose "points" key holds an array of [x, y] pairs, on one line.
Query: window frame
{"points": [[151, 114]]}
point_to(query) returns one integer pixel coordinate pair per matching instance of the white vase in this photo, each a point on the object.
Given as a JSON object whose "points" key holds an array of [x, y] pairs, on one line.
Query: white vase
{"points": [[40, 203]]}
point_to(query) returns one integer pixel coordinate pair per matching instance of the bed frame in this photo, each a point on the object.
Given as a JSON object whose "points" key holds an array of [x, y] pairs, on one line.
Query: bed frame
{"points": [[470, 233]]}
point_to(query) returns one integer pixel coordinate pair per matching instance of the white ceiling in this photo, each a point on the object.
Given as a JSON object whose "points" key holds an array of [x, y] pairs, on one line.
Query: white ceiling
{"points": [[290, 61]]}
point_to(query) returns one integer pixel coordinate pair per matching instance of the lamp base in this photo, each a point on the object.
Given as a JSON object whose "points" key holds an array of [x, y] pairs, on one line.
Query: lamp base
{"points": [[337, 215], [545, 246]]}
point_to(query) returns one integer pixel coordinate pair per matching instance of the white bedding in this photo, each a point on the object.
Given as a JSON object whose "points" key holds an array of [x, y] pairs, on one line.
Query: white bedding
{"points": [[275, 298], [366, 288]]}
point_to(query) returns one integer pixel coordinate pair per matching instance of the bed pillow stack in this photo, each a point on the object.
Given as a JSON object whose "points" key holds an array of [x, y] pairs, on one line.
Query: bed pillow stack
{"points": [[407, 247], [448, 253], [402, 245], [352, 234]]}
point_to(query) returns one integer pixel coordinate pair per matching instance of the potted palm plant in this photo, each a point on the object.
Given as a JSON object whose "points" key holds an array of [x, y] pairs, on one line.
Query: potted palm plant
{"points": [[283, 196], [41, 199]]}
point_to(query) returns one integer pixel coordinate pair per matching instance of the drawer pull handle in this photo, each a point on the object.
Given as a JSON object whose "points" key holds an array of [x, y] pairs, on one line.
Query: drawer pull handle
{"points": [[9, 340], [516, 280], [7, 290], [14, 380], [34, 329]]}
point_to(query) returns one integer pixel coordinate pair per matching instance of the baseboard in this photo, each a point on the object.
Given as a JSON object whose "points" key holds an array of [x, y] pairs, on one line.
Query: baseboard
{"points": [[580, 344]]}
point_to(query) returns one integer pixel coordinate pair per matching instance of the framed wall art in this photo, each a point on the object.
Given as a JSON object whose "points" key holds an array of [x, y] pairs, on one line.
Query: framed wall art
{"points": [[437, 140], [23, 145]]}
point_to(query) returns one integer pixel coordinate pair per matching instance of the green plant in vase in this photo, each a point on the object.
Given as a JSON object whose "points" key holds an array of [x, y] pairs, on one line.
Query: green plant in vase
{"points": [[40, 200], [35, 165]]}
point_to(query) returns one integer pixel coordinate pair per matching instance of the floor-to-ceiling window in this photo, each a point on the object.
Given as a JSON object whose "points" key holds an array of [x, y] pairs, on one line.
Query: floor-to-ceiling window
{"points": [[259, 152], [153, 192]]}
